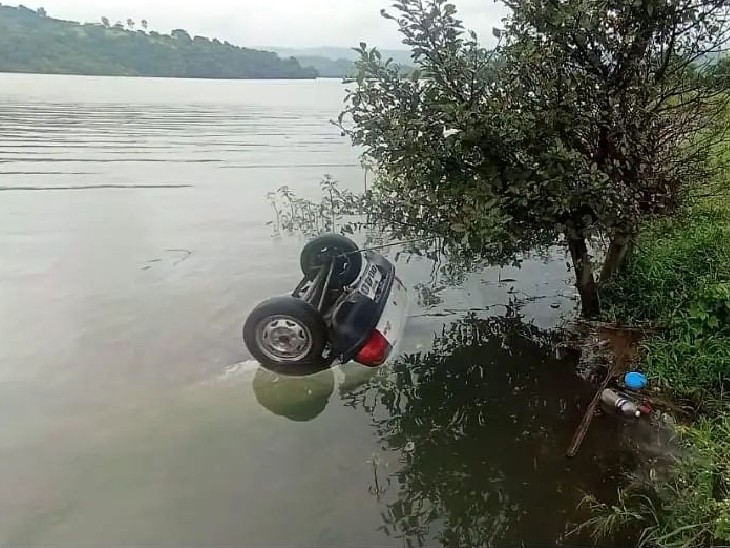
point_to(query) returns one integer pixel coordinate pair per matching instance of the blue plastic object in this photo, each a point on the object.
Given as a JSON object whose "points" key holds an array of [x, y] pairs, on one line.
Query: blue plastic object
{"points": [[635, 380]]}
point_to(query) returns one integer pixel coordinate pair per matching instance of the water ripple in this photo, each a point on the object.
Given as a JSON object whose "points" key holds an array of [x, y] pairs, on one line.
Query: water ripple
{"points": [[88, 187], [36, 137]]}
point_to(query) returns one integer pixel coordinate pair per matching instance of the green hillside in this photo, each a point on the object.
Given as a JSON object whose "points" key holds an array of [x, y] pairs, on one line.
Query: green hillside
{"points": [[328, 68], [338, 62], [32, 42], [400, 56]]}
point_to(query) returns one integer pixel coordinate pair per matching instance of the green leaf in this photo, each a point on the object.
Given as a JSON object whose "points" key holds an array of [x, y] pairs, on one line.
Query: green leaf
{"points": [[552, 138]]}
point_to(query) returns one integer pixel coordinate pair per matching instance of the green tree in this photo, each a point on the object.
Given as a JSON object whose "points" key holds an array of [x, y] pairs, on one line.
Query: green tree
{"points": [[130, 24], [590, 117], [105, 22], [144, 24], [182, 35], [721, 72]]}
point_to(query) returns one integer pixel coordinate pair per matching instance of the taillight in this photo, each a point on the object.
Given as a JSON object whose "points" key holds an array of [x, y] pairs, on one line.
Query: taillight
{"points": [[375, 351]]}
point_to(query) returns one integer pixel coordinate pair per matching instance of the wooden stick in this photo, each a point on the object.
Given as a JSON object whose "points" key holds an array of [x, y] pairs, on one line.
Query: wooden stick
{"points": [[580, 433]]}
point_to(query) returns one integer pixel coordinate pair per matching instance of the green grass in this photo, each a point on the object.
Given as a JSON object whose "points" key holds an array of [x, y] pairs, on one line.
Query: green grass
{"points": [[679, 279], [685, 506]]}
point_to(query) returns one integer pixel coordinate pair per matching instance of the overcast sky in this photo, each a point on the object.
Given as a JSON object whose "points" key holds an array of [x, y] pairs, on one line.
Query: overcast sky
{"points": [[287, 23]]}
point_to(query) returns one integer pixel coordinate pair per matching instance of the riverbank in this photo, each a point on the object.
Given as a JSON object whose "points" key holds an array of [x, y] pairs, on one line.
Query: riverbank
{"points": [[678, 279]]}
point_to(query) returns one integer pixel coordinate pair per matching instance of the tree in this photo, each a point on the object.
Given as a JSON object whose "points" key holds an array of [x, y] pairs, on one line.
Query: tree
{"points": [[721, 72], [144, 24], [130, 23], [42, 12], [105, 22], [182, 35], [589, 118]]}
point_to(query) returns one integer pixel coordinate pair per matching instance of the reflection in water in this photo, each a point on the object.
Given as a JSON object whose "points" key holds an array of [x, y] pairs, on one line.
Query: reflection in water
{"points": [[299, 399], [481, 422], [302, 398]]}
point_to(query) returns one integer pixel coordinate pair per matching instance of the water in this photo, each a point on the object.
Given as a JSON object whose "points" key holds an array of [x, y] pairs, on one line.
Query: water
{"points": [[133, 242]]}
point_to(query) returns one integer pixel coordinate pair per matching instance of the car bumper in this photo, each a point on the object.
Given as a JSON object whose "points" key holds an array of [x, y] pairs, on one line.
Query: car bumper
{"points": [[395, 314]]}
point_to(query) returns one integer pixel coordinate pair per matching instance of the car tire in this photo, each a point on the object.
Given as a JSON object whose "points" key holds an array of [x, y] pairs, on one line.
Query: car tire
{"points": [[286, 333], [348, 261]]}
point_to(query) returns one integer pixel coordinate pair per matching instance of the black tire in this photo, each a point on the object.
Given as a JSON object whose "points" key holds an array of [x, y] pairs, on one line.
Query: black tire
{"points": [[348, 260], [286, 333]]}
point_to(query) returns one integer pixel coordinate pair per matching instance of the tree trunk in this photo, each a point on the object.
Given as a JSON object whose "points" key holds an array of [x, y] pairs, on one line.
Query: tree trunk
{"points": [[584, 279], [618, 250]]}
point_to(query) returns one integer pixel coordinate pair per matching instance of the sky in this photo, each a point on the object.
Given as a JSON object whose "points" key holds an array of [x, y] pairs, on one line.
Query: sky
{"points": [[285, 23]]}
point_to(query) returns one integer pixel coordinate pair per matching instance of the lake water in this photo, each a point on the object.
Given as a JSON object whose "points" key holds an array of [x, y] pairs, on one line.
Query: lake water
{"points": [[133, 243]]}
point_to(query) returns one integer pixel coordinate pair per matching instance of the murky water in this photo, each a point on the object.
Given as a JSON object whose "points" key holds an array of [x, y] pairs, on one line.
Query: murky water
{"points": [[133, 242]]}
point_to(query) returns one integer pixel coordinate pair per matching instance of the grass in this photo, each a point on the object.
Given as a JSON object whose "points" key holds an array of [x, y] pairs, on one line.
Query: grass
{"points": [[678, 278], [688, 506]]}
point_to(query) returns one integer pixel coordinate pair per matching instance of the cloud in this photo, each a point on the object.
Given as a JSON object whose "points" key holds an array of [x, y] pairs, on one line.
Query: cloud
{"points": [[287, 23]]}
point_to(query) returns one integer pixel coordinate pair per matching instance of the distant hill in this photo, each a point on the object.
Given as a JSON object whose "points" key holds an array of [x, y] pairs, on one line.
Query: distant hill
{"points": [[400, 56], [336, 62], [326, 67], [30, 41]]}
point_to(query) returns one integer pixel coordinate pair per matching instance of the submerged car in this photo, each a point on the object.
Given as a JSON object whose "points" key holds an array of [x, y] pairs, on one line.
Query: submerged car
{"points": [[349, 305]]}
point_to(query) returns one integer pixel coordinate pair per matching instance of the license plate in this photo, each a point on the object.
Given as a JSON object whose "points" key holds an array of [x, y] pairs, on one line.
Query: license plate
{"points": [[371, 282]]}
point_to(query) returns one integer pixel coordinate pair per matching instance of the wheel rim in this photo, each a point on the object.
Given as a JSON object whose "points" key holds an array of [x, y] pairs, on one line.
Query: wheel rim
{"points": [[284, 339]]}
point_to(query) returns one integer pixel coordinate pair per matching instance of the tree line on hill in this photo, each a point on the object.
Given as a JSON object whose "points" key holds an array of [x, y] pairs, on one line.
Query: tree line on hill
{"points": [[33, 42]]}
